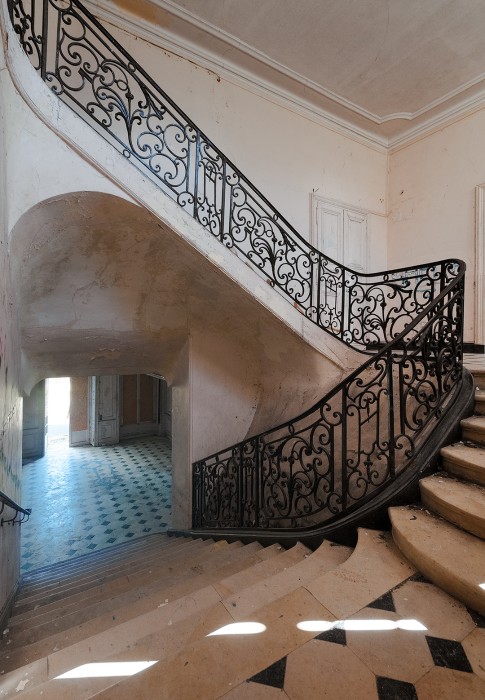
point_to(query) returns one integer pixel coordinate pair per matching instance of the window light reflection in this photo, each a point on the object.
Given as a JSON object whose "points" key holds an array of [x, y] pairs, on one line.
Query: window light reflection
{"points": [[482, 585], [107, 670], [239, 628], [361, 625]]}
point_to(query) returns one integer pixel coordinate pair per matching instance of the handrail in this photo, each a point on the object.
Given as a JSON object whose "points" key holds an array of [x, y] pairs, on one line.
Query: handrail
{"points": [[92, 73], [5, 501], [352, 444], [363, 435]]}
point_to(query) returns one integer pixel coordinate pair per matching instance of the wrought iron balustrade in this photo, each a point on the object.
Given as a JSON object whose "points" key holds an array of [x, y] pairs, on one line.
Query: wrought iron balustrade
{"points": [[335, 457], [92, 73], [362, 436], [21, 515]]}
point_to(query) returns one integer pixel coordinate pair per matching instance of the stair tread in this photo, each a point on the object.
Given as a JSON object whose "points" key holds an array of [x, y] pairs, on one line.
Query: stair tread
{"points": [[93, 558], [111, 599], [82, 570], [453, 559], [227, 563], [475, 422], [326, 558], [105, 590], [460, 502], [465, 461], [53, 592]]}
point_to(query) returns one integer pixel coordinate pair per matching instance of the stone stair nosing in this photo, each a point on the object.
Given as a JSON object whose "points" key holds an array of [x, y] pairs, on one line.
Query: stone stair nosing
{"points": [[459, 502], [105, 598], [449, 557]]}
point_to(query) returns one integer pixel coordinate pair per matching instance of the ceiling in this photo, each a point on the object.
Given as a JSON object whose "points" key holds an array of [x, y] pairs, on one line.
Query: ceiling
{"points": [[386, 69]]}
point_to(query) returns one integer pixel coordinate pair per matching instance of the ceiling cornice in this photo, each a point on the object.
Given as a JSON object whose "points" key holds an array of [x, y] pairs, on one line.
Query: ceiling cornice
{"points": [[299, 94]]}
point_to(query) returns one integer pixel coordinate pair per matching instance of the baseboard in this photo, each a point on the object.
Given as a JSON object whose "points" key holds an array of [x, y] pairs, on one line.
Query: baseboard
{"points": [[7, 608]]}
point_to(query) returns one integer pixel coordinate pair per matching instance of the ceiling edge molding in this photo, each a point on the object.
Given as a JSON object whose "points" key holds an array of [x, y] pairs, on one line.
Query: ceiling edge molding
{"points": [[231, 71], [440, 121], [249, 81], [201, 24]]}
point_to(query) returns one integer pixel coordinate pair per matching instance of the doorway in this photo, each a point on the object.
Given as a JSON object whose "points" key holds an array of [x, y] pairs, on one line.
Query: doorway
{"points": [[58, 401], [86, 498]]}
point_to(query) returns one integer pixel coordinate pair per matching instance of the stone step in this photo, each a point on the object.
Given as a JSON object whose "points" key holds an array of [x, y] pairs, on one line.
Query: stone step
{"points": [[176, 676], [454, 560], [52, 593], [116, 633], [465, 462], [162, 644], [480, 402], [460, 502], [326, 558], [96, 559], [79, 568], [269, 567], [71, 605], [115, 594], [473, 429], [152, 596]]}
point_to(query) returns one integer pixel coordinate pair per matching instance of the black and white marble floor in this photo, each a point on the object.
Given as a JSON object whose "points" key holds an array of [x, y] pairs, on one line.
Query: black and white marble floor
{"points": [[84, 499]]}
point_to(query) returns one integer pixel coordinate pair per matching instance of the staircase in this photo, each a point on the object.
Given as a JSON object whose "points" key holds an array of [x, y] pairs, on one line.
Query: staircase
{"points": [[444, 535], [157, 599]]}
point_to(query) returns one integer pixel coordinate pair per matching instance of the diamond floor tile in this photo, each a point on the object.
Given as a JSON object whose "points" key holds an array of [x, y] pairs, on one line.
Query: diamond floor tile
{"points": [[88, 498]]}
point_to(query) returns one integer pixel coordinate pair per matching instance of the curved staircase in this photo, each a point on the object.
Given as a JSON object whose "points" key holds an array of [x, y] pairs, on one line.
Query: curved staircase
{"points": [[336, 621], [444, 535]]}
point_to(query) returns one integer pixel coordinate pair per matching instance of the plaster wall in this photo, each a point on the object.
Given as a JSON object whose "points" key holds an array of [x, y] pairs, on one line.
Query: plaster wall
{"points": [[10, 401], [432, 200], [286, 155]]}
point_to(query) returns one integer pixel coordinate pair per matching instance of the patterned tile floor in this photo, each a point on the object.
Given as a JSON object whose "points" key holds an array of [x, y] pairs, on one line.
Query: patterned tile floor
{"points": [[88, 498], [444, 661]]}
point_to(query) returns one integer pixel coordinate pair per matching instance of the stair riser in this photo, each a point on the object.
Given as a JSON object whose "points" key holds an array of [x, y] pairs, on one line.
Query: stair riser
{"points": [[479, 378], [469, 472], [473, 435], [470, 595], [480, 406]]}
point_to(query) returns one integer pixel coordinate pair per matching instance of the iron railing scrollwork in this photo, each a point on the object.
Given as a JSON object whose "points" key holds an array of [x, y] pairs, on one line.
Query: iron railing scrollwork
{"points": [[359, 438], [21, 515], [352, 444], [92, 73]]}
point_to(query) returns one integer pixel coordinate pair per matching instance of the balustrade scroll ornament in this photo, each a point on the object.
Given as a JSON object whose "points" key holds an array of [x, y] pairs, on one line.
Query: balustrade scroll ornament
{"points": [[355, 441]]}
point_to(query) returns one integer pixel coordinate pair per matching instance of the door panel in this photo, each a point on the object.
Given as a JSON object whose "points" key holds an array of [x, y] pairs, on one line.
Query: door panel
{"points": [[34, 423], [104, 411]]}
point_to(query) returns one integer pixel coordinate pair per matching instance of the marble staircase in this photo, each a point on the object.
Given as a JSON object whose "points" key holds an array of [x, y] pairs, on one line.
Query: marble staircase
{"points": [[358, 622]]}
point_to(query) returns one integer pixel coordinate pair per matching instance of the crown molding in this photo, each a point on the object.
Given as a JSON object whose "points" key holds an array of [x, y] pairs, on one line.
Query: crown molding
{"points": [[381, 133], [173, 43]]}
